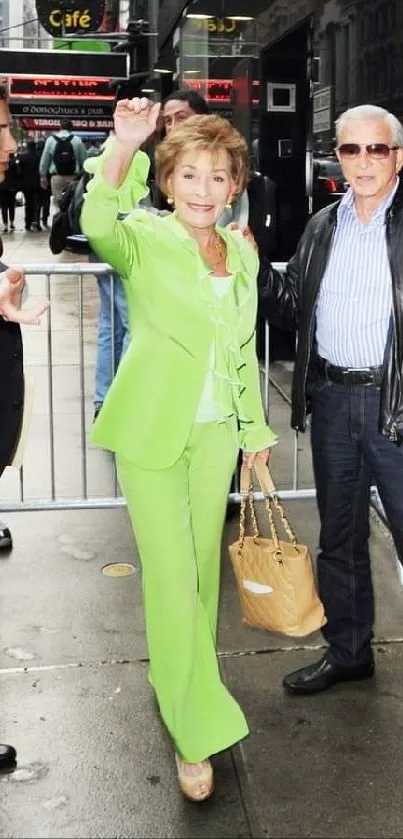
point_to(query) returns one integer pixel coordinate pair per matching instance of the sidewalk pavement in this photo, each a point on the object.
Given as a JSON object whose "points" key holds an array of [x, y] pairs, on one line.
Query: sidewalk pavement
{"points": [[94, 760]]}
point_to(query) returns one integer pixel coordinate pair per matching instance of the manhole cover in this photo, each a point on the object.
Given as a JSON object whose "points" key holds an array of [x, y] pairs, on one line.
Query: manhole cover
{"points": [[118, 569]]}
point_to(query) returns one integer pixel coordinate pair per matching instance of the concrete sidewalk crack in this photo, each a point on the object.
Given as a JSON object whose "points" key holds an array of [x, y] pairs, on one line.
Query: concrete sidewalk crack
{"points": [[224, 654]]}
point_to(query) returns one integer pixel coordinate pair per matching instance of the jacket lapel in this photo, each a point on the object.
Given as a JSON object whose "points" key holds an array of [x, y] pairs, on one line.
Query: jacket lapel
{"points": [[241, 262]]}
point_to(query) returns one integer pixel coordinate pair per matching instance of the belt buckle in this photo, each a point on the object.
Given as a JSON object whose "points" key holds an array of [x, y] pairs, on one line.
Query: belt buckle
{"points": [[363, 372]]}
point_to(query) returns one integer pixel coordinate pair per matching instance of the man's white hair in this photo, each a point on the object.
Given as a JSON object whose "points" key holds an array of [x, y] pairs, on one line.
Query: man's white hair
{"points": [[371, 112]]}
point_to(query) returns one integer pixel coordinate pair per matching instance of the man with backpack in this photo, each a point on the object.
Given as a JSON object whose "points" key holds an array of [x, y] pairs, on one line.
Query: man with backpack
{"points": [[62, 159]]}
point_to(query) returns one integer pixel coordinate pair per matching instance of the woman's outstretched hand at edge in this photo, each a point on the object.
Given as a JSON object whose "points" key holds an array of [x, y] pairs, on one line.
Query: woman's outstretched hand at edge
{"points": [[11, 287]]}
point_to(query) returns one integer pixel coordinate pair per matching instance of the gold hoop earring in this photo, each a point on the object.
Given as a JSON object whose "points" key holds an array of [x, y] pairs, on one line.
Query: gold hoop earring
{"points": [[170, 200]]}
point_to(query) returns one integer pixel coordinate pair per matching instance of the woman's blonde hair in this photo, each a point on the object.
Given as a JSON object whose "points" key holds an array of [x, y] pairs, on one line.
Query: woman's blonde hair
{"points": [[203, 132]]}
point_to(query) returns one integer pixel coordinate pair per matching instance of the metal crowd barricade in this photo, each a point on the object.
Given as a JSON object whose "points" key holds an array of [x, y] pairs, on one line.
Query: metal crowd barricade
{"points": [[81, 271]]}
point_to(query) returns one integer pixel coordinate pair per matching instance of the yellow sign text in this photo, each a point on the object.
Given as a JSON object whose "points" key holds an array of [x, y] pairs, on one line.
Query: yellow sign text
{"points": [[70, 20]]}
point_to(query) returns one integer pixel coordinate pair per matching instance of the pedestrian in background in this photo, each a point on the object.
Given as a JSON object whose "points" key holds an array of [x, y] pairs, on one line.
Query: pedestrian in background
{"points": [[28, 164], [44, 194], [8, 192], [185, 398], [343, 292], [113, 333], [62, 159], [113, 320], [93, 149]]}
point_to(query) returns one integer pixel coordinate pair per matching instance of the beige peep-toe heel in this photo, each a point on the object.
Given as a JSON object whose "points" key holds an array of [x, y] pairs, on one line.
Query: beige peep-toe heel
{"points": [[198, 787]]}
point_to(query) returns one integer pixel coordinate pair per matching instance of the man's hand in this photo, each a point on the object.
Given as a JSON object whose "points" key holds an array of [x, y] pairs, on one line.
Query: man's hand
{"points": [[44, 183], [11, 286], [248, 458], [246, 233]]}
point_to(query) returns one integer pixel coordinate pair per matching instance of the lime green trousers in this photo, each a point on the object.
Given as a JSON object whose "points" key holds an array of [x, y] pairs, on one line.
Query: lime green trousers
{"points": [[177, 516]]}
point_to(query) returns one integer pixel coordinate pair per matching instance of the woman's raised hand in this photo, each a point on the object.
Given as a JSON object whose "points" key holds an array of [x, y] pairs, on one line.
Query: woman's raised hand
{"points": [[135, 120]]}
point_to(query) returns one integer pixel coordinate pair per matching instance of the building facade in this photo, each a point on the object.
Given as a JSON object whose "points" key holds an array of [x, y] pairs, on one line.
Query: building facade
{"points": [[283, 70], [23, 30], [4, 23]]}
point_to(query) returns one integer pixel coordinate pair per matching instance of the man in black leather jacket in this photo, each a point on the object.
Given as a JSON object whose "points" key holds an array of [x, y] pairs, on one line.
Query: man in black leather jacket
{"points": [[343, 291]]}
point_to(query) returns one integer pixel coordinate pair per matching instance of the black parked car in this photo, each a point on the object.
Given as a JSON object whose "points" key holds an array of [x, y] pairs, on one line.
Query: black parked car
{"points": [[328, 182]]}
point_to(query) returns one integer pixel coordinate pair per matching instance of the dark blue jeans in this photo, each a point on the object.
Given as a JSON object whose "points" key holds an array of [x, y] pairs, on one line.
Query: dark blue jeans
{"points": [[349, 454]]}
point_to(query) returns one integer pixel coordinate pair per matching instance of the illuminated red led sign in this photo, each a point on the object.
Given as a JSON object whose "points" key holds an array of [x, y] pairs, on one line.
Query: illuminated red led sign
{"points": [[217, 90], [59, 87]]}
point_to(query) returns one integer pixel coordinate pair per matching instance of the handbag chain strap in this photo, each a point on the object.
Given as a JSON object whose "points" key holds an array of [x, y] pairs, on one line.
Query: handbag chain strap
{"points": [[272, 525], [246, 496], [271, 500]]}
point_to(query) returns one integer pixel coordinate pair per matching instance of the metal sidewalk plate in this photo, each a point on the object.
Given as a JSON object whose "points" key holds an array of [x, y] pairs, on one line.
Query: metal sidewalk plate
{"points": [[118, 569]]}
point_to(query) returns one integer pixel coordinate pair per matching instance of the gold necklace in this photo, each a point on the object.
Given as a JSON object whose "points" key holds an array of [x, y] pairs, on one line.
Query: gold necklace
{"points": [[219, 259]]}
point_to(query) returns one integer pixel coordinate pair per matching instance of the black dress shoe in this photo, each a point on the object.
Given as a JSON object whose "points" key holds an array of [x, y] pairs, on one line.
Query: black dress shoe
{"points": [[323, 674], [8, 756], [6, 542]]}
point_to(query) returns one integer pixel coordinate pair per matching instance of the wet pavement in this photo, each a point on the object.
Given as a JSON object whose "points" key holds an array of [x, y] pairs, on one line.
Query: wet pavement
{"points": [[94, 759]]}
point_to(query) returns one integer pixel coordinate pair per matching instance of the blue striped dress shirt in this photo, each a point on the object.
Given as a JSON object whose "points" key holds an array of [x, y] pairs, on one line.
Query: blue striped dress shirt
{"points": [[355, 299]]}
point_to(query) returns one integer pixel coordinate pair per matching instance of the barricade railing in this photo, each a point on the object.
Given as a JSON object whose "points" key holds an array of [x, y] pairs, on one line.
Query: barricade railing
{"points": [[85, 499]]}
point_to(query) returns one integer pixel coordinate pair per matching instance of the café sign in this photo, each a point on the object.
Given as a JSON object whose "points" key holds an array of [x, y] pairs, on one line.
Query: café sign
{"points": [[214, 25], [61, 17]]}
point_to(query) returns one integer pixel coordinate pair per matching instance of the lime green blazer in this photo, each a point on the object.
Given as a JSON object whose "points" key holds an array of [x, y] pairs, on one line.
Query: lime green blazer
{"points": [[152, 403]]}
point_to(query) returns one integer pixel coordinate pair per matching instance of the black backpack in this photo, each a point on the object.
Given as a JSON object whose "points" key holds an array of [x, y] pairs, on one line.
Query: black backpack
{"points": [[66, 222], [63, 155]]}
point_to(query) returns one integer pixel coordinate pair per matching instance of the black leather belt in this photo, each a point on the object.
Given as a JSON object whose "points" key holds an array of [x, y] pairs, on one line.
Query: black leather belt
{"points": [[349, 375]]}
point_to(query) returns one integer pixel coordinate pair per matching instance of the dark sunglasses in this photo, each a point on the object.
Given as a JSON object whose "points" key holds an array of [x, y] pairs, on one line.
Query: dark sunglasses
{"points": [[377, 151]]}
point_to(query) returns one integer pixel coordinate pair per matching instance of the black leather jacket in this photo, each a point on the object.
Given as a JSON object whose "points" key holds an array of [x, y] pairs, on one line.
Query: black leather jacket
{"points": [[289, 302]]}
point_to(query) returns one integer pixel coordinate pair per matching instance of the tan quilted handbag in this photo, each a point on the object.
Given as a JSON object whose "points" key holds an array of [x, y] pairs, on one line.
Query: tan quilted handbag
{"points": [[275, 579]]}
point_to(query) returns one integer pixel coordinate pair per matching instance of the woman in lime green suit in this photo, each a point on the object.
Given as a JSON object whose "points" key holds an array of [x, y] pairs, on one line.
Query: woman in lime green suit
{"points": [[185, 398]]}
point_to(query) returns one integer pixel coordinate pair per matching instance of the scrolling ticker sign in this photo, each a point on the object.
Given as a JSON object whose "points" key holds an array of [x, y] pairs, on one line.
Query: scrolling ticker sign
{"points": [[61, 17], [56, 97]]}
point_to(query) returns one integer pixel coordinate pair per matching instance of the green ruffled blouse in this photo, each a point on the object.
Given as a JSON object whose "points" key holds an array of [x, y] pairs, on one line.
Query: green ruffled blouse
{"points": [[225, 313]]}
